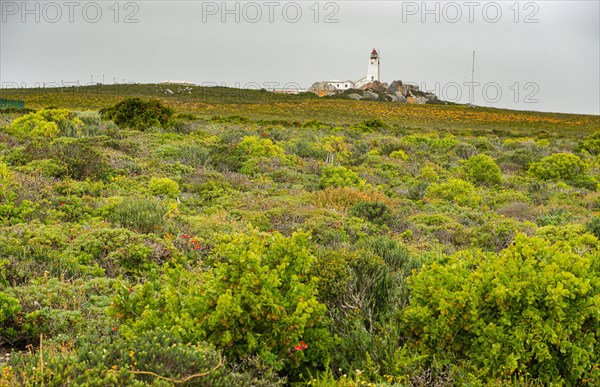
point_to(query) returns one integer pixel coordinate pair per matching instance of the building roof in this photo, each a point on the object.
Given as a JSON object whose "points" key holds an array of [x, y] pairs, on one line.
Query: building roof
{"points": [[177, 83]]}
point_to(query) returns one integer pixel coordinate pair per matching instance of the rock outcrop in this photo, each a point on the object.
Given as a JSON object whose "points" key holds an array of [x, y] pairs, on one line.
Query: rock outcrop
{"points": [[322, 89], [371, 95], [397, 92], [375, 86]]}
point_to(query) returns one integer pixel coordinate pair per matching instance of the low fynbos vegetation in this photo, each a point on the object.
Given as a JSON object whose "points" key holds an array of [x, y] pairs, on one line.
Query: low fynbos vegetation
{"points": [[148, 248]]}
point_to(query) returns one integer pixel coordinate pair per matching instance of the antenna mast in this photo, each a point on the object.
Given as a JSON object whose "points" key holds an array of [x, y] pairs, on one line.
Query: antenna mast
{"points": [[473, 79], [379, 66]]}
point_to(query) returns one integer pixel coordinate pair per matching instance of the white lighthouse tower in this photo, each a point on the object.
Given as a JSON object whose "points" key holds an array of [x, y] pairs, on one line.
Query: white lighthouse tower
{"points": [[332, 87], [373, 71]]}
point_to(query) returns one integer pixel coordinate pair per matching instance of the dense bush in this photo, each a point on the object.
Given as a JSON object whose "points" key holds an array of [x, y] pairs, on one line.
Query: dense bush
{"points": [[140, 114], [559, 166], [9, 307], [593, 226], [531, 308], [376, 212], [119, 251], [45, 123], [163, 186], [256, 147], [339, 177], [372, 125], [258, 155], [140, 214], [259, 299], [482, 169], [5, 180], [151, 358], [592, 143], [399, 154], [81, 160], [455, 190]]}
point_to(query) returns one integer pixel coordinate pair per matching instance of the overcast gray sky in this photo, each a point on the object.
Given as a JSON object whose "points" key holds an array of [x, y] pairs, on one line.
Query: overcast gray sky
{"points": [[530, 55]]}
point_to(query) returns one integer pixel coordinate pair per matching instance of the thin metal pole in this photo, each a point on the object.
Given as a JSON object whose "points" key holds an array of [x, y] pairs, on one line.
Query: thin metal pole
{"points": [[473, 79]]}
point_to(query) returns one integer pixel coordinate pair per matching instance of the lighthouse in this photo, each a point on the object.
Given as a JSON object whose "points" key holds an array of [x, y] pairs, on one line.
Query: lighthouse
{"points": [[332, 87], [373, 71]]}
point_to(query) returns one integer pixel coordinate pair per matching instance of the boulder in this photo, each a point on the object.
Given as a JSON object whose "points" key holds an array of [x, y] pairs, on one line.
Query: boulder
{"points": [[322, 89], [391, 97], [375, 86], [400, 97], [416, 100], [371, 95], [395, 87], [355, 96], [410, 90]]}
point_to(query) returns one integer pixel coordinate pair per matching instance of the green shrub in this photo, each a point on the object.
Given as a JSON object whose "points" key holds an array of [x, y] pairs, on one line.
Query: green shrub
{"points": [[339, 177], [9, 307], [259, 299], [417, 190], [252, 146], [482, 169], [140, 214], [151, 358], [496, 235], [308, 149], [554, 217], [455, 190], [235, 119], [194, 155], [163, 186], [66, 310], [532, 308], [48, 168], [81, 159], [593, 226], [559, 166], [371, 125], [399, 154], [521, 158], [592, 143], [258, 155], [314, 124], [164, 354], [45, 123], [136, 113], [5, 180], [363, 290], [446, 230], [376, 212], [118, 251]]}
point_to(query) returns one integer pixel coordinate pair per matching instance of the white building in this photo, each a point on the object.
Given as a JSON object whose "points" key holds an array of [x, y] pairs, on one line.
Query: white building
{"points": [[342, 85], [182, 83], [373, 75]]}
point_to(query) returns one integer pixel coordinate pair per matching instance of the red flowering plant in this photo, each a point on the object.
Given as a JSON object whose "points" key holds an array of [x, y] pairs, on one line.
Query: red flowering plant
{"points": [[193, 246], [301, 346]]}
